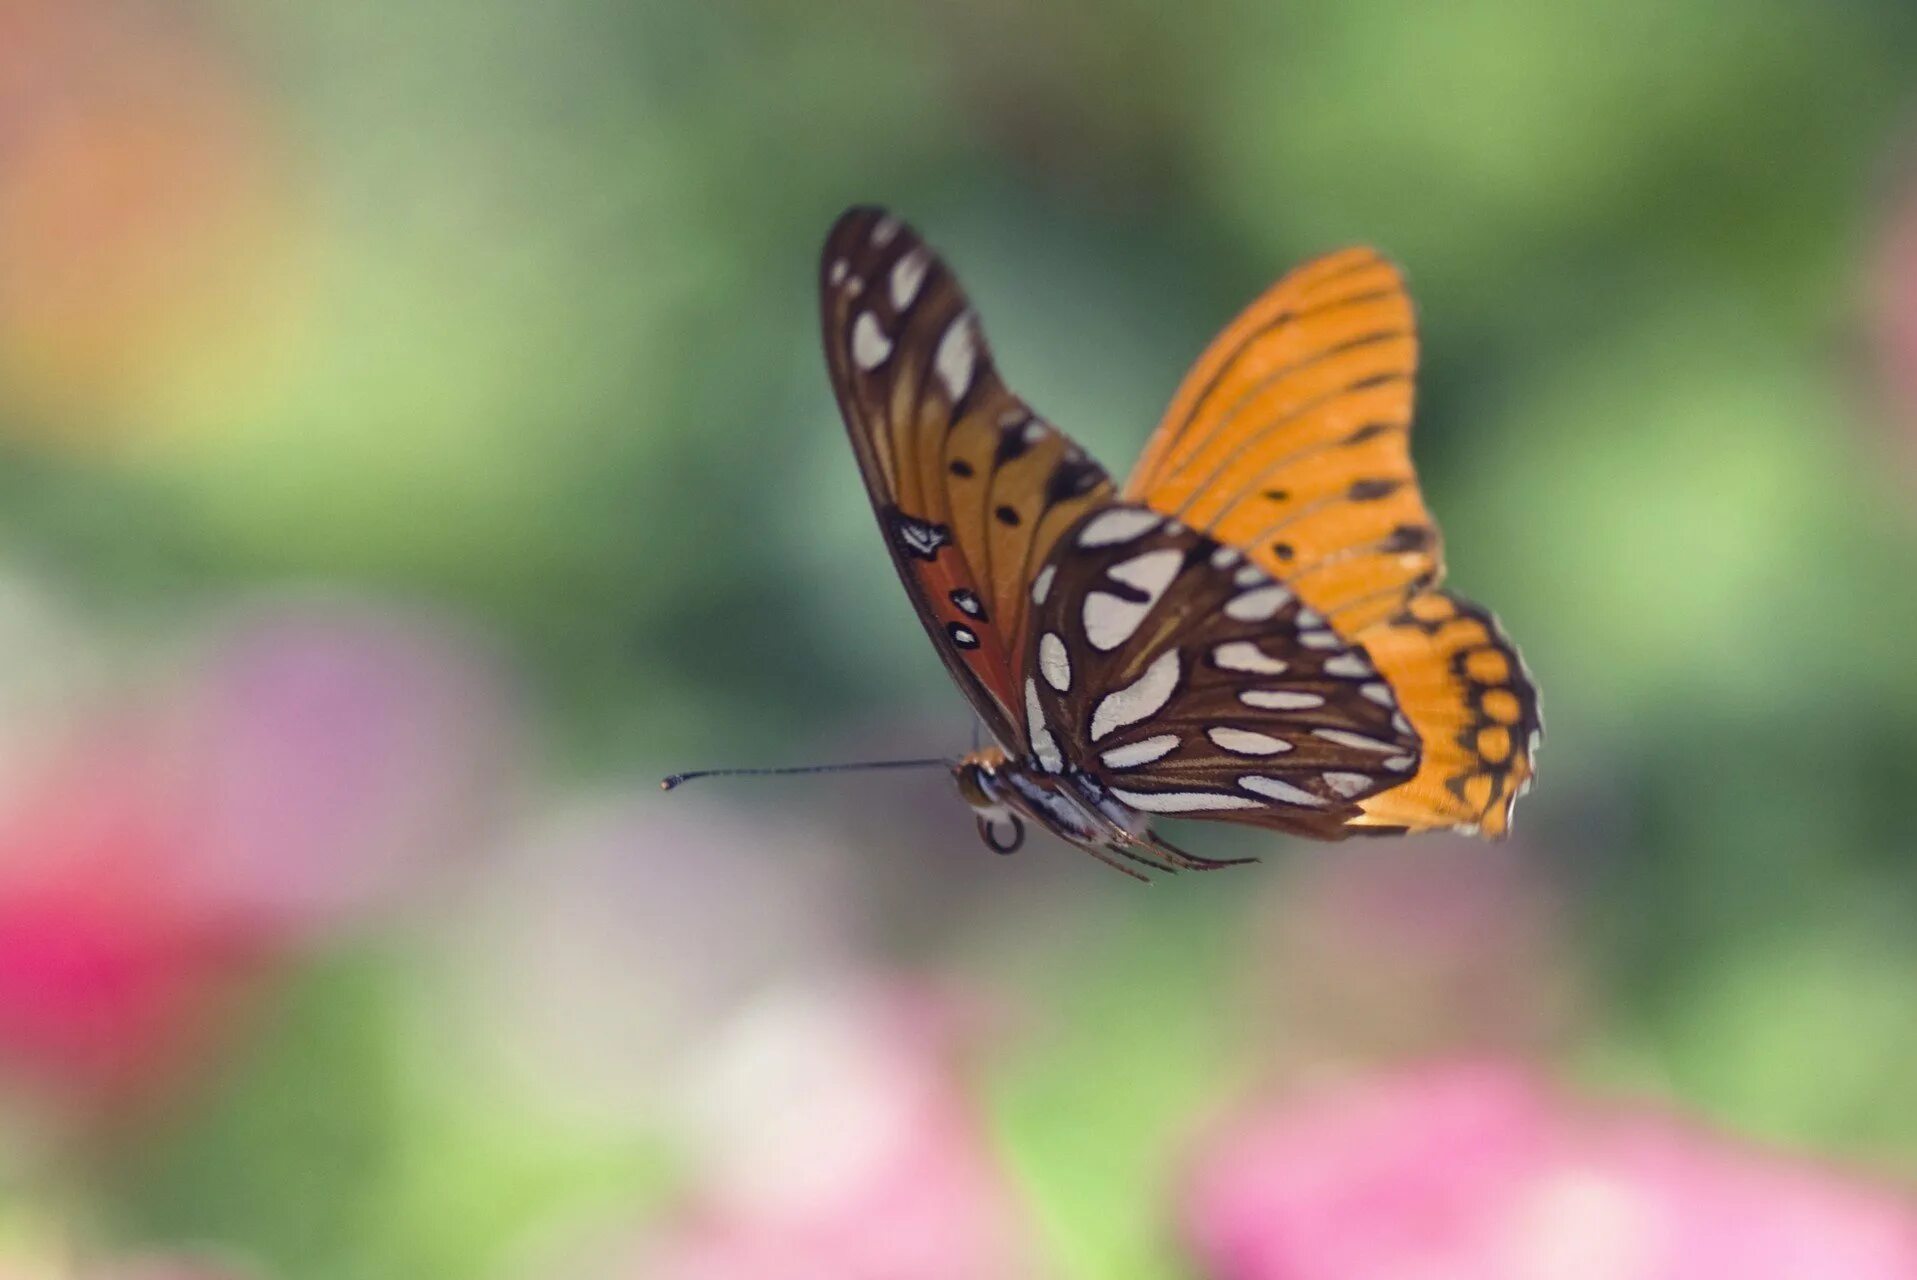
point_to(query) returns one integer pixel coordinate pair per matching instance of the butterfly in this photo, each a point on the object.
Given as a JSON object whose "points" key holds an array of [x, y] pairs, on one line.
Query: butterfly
{"points": [[1251, 630]]}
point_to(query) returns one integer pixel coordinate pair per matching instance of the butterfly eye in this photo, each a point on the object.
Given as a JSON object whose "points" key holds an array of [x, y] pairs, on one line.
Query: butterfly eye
{"points": [[988, 831]]}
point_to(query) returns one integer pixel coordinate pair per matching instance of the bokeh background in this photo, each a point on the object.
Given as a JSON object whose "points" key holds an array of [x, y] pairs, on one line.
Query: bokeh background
{"points": [[414, 441]]}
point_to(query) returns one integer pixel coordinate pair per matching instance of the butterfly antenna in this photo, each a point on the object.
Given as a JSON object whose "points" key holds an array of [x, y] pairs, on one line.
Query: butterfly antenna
{"points": [[929, 762]]}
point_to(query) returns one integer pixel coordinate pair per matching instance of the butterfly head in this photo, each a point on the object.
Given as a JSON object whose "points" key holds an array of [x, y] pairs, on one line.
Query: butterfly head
{"points": [[984, 783]]}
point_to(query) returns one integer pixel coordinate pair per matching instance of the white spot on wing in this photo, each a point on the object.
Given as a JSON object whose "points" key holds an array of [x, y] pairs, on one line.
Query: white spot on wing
{"points": [[1319, 640], [1182, 801], [1398, 764], [1351, 665], [1053, 662], [908, 273], [1258, 605], [1042, 584], [1224, 557], [1379, 692], [1246, 743], [870, 346], [1243, 655], [835, 274], [1345, 738], [1120, 525], [1151, 572], [1280, 699], [1309, 618], [957, 356], [1044, 746], [1348, 784], [1110, 620], [884, 229], [1249, 576], [1143, 697], [1279, 789], [1137, 753]]}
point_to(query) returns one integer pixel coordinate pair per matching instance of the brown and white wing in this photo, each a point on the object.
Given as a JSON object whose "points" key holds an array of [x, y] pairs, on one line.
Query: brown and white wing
{"points": [[1189, 681], [971, 488]]}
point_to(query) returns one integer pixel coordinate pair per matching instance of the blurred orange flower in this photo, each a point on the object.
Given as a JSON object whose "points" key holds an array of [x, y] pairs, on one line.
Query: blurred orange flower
{"points": [[145, 230]]}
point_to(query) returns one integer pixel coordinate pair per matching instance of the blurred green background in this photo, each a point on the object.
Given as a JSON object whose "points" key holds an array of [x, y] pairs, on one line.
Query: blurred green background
{"points": [[490, 326]]}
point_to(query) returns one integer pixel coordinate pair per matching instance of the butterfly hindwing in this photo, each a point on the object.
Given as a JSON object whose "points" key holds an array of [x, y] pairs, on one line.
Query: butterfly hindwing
{"points": [[1189, 681], [972, 489], [1475, 707], [1290, 438]]}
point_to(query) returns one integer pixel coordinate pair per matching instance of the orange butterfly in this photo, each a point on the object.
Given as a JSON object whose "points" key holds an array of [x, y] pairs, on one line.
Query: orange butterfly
{"points": [[1251, 631]]}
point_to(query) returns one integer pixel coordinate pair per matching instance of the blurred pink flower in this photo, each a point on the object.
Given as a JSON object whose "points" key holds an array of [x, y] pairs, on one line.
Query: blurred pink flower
{"points": [[106, 973], [1895, 305], [1480, 1172], [837, 1140], [156, 862]]}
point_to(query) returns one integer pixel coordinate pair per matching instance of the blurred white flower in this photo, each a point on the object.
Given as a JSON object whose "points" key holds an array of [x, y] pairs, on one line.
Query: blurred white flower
{"points": [[602, 953], [835, 1138]]}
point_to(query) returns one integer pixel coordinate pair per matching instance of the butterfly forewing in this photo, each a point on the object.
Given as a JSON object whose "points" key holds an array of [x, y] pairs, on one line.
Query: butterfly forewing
{"points": [[1189, 681], [971, 488], [1290, 438]]}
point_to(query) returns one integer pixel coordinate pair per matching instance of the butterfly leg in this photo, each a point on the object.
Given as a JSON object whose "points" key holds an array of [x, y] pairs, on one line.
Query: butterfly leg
{"points": [[1104, 854], [1178, 858]]}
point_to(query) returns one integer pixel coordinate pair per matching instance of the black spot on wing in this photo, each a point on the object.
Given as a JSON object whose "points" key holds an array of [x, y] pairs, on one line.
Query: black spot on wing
{"points": [[1073, 477], [1408, 537], [1372, 490], [1370, 431], [1012, 443]]}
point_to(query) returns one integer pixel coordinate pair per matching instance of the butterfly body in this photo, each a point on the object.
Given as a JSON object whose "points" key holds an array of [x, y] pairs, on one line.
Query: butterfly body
{"points": [[1251, 632]]}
